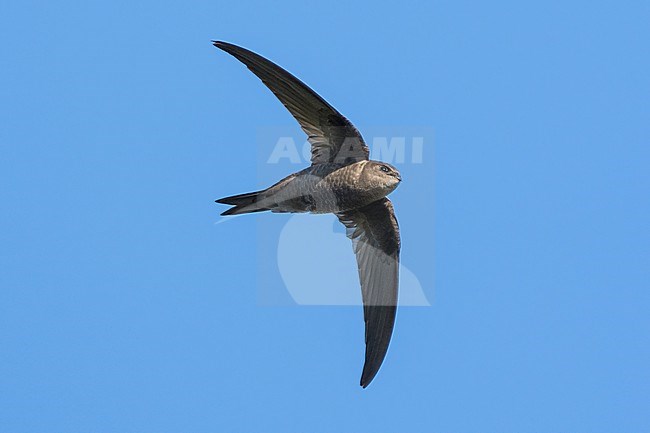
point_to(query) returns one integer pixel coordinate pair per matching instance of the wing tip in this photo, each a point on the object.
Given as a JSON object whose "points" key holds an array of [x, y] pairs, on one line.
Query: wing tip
{"points": [[367, 376], [234, 50], [225, 46]]}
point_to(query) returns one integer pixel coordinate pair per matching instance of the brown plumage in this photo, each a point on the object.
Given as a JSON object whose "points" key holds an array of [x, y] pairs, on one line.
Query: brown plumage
{"points": [[341, 180]]}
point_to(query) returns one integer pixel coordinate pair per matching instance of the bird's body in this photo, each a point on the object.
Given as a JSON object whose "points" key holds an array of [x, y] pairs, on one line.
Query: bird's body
{"points": [[321, 188], [343, 181]]}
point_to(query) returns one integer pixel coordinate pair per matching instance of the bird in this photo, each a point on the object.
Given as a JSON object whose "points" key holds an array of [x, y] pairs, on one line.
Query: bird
{"points": [[341, 180]]}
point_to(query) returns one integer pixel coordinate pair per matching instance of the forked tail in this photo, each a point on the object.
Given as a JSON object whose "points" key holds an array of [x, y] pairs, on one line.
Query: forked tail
{"points": [[244, 203]]}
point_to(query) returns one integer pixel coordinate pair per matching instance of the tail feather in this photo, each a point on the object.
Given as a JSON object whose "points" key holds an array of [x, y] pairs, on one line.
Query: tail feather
{"points": [[243, 203]]}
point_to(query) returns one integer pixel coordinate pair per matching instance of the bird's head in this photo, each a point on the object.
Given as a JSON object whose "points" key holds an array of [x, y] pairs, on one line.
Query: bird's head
{"points": [[382, 176]]}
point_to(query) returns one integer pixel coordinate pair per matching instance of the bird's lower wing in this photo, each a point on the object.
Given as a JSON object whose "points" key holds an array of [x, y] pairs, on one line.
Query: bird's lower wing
{"points": [[376, 241]]}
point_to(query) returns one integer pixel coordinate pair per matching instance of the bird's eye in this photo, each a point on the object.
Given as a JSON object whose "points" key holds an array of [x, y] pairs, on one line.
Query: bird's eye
{"points": [[384, 169]]}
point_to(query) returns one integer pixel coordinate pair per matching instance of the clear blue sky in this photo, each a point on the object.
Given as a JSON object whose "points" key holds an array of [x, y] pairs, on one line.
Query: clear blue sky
{"points": [[125, 308]]}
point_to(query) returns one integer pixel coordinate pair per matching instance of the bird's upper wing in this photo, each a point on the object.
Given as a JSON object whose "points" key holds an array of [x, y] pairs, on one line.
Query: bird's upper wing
{"points": [[333, 138], [375, 238]]}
